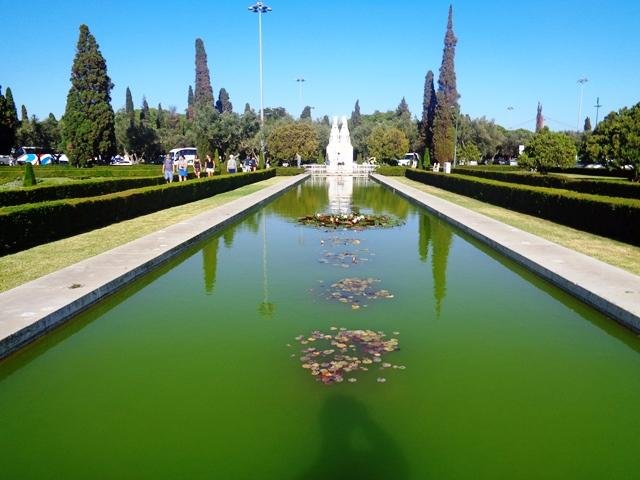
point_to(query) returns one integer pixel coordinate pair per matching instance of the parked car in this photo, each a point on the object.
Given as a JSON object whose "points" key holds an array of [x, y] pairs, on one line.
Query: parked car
{"points": [[119, 161], [409, 160], [6, 160]]}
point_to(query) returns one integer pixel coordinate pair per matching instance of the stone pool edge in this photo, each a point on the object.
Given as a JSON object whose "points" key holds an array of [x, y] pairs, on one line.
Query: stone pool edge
{"points": [[610, 290], [31, 310]]}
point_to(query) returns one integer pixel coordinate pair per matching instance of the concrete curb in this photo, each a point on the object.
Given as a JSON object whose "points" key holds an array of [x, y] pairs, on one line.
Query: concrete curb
{"points": [[31, 310], [608, 289]]}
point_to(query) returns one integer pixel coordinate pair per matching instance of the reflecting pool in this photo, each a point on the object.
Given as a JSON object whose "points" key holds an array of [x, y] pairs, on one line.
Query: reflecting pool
{"points": [[194, 371]]}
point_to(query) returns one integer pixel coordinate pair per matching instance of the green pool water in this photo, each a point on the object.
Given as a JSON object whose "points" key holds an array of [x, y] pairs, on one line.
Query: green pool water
{"points": [[187, 373]]}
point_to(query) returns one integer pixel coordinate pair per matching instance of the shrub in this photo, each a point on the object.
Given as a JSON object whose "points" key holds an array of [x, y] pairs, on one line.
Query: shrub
{"points": [[24, 226], [287, 171], [29, 176], [88, 188], [617, 218], [391, 171]]}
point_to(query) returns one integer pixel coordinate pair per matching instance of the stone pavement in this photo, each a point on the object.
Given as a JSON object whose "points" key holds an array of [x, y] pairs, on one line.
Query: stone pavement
{"points": [[32, 309], [612, 291]]}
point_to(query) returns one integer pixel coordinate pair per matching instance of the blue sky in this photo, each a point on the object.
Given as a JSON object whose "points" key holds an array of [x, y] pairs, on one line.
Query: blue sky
{"points": [[509, 54]]}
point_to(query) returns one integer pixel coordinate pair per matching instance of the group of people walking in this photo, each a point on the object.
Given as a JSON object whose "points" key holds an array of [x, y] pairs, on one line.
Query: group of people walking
{"points": [[181, 167]]}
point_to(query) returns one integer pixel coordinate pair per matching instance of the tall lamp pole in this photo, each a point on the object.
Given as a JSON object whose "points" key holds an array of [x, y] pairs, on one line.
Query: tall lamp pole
{"points": [[300, 81], [260, 8], [581, 81]]}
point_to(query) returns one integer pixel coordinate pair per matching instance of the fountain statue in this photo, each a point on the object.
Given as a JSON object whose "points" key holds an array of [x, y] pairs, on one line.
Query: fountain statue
{"points": [[340, 150]]}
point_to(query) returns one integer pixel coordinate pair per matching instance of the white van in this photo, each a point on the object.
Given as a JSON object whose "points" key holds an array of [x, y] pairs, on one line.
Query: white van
{"points": [[189, 153]]}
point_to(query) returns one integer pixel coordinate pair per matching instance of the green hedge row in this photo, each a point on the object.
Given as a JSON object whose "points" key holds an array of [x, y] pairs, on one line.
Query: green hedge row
{"points": [[88, 188], [390, 171], [288, 171], [24, 226], [48, 171], [617, 218], [596, 172], [609, 188]]}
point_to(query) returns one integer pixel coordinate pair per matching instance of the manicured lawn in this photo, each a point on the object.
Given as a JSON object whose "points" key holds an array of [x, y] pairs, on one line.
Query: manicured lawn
{"points": [[615, 253], [27, 265]]}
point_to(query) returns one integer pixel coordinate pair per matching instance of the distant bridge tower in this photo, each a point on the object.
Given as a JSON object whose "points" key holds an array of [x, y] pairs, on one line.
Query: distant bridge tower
{"points": [[539, 119]]}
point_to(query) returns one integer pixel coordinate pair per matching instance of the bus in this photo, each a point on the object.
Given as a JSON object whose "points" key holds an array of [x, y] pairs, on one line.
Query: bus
{"points": [[32, 155], [189, 153]]}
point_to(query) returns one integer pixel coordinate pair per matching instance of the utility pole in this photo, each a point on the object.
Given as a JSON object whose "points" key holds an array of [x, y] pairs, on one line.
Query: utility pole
{"points": [[581, 81]]}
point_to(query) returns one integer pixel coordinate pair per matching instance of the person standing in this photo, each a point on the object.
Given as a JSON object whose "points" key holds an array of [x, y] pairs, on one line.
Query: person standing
{"points": [[231, 164], [209, 166], [167, 168], [197, 167], [182, 168]]}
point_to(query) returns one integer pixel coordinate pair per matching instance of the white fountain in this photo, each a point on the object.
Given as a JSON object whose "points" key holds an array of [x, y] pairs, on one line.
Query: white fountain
{"points": [[339, 150]]}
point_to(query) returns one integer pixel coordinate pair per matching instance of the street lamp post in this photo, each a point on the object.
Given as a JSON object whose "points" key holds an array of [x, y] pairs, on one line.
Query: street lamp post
{"points": [[300, 81], [260, 8], [581, 81]]}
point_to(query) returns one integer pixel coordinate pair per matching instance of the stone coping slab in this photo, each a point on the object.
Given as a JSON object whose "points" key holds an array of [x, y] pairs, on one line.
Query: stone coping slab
{"points": [[610, 290], [32, 309]]}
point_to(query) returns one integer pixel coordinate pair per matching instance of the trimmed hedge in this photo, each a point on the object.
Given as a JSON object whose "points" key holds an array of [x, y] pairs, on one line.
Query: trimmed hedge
{"points": [[47, 171], [390, 171], [608, 188], [89, 188], [288, 171], [596, 172], [28, 225], [617, 218]]}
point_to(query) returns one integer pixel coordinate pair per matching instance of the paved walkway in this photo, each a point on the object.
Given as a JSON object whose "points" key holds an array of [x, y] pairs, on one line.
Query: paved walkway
{"points": [[612, 291], [32, 309]]}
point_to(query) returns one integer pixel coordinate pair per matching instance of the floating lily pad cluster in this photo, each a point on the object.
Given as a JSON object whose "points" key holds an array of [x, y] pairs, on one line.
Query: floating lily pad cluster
{"points": [[356, 291], [342, 353], [349, 220]]}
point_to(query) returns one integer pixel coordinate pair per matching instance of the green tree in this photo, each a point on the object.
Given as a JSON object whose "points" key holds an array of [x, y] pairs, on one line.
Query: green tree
{"points": [[469, 152], [29, 179], [190, 104], [8, 121], [387, 143], [128, 105], [403, 108], [224, 104], [51, 134], [290, 138], [356, 117], [547, 150], [447, 108], [203, 91], [587, 124], [306, 113], [89, 120], [144, 111], [24, 116], [429, 104]]}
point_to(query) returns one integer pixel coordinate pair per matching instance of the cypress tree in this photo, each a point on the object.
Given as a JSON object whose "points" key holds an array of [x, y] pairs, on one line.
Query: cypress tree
{"points": [[247, 108], [447, 99], [89, 125], [24, 116], [190, 104], [8, 121], [203, 91], [128, 105], [539, 119], [429, 104], [356, 118], [144, 111], [403, 108], [160, 117], [306, 113], [223, 104], [587, 124]]}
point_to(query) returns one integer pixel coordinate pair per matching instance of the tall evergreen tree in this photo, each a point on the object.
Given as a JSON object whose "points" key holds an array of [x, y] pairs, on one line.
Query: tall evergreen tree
{"points": [[160, 117], [447, 99], [128, 104], [203, 91], [356, 117], [403, 108], [306, 113], [247, 108], [144, 111], [24, 116], [8, 121], [429, 104], [223, 104], [587, 124], [190, 104], [89, 125], [539, 119]]}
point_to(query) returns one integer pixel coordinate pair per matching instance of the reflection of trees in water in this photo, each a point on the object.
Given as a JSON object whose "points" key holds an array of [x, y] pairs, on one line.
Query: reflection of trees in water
{"points": [[380, 200], [354, 446], [297, 204], [210, 263], [437, 235]]}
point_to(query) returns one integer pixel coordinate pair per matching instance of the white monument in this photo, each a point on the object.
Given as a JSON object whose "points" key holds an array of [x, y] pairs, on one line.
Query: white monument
{"points": [[340, 150]]}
